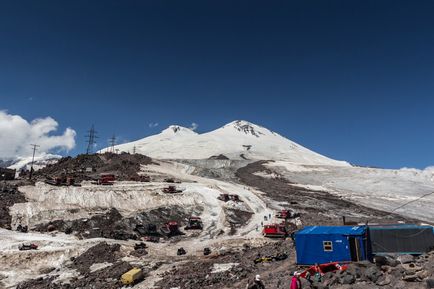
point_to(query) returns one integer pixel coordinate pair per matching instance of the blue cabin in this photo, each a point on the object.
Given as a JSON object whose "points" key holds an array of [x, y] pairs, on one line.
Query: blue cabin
{"points": [[324, 244]]}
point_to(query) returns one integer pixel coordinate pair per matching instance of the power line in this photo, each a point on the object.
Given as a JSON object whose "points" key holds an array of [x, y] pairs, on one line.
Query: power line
{"points": [[91, 139], [112, 143], [35, 146], [412, 201]]}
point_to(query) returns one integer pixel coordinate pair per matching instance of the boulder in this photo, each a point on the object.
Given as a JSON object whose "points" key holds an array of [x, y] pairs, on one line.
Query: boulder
{"points": [[372, 273], [405, 259]]}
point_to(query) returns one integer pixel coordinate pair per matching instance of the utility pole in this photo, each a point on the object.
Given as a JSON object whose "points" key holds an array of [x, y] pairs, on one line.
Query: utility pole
{"points": [[35, 146], [134, 150], [91, 139], [112, 143]]}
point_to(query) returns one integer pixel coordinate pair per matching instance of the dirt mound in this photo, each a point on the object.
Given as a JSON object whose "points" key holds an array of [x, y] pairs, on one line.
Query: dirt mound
{"points": [[99, 253], [9, 195], [87, 167]]}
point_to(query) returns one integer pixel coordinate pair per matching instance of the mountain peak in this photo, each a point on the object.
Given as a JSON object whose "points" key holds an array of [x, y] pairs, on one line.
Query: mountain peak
{"points": [[246, 127], [177, 130]]}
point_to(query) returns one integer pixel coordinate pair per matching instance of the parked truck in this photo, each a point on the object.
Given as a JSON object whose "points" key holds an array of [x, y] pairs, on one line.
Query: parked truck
{"points": [[132, 277]]}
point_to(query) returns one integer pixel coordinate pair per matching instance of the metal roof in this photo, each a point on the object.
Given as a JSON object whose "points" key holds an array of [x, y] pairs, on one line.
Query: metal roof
{"points": [[333, 230]]}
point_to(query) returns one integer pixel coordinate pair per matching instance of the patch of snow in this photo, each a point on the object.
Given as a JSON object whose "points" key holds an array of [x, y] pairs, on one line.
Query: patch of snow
{"points": [[99, 266], [218, 267]]}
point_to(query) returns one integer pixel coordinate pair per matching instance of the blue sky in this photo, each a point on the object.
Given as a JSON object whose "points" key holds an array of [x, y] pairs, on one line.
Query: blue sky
{"points": [[352, 80]]}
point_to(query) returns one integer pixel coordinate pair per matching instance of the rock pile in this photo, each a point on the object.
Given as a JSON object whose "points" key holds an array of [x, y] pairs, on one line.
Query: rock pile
{"points": [[388, 272]]}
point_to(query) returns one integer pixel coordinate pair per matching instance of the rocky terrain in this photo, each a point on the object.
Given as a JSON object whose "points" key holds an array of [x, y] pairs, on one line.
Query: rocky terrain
{"points": [[89, 233]]}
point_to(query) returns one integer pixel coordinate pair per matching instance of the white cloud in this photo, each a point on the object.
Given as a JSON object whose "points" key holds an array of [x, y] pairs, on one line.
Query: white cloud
{"points": [[16, 135], [153, 124], [194, 126]]}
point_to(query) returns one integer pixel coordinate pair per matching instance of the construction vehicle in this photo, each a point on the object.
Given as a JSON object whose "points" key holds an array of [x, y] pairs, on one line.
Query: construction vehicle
{"points": [[132, 277], [26, 247], [181, 251], [139, 246], [275, 231], [22, 229], [172, 180], [170, 229], [60, 181], [286, 214], [194, 223], [228, 197], [171, 190], [105, 180], [206, 251], [223, 197]]}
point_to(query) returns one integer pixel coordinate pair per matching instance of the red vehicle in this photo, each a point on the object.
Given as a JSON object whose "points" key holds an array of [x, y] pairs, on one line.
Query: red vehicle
{"points": [[194, 223], [275, 231], [25, 247], [106, 180], [323, 268]]}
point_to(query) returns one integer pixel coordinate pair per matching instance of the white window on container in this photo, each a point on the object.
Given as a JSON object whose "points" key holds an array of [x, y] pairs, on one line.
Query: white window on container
{"points": [[328, 246]]}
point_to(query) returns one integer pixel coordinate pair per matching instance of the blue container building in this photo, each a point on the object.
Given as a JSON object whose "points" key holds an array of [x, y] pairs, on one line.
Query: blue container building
{"points": [[324, 244]]}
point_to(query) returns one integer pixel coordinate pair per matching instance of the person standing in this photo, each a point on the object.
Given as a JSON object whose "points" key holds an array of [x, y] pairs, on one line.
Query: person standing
{"points": [[295, 282], [256, 284]]}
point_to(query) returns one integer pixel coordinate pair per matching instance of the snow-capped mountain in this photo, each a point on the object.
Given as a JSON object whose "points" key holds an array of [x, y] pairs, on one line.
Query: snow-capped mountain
{"points": [[40, 161], [236, 140]]}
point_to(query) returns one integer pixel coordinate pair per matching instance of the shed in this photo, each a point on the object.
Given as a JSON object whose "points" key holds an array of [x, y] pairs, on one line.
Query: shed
{"points": [[401, 239], [324, 244]]}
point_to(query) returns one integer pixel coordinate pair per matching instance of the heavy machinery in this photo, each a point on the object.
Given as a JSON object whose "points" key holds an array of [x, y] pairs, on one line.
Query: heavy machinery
{"points": [[229, 197], [181, 251], [105, 180], [275, 231], [26, 247], [223, 197], [171, 190], [206, 251], [60, 181], [139, 246], [194, 223], [286, 214], [22, 228], [171, 180], [170, 229], [234, 198], [132, 277]]}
